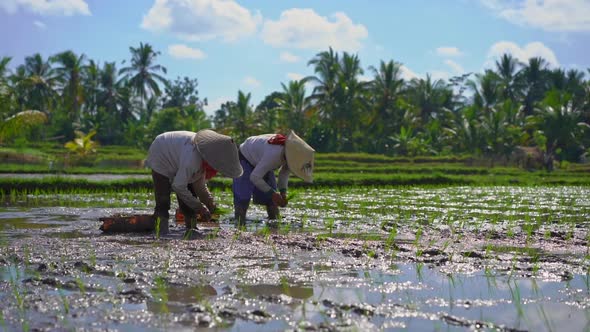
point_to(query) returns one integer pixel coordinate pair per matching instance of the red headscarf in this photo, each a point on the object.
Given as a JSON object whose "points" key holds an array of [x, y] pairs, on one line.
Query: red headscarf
{"points": [[277, 139], [209, 171]]}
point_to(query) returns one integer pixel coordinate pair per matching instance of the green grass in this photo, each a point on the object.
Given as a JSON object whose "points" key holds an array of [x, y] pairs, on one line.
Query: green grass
{"points": [[332, 170], [70, 185]]}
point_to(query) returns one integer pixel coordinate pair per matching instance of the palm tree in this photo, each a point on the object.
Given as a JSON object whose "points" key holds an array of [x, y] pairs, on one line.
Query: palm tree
{"points": [[387, 86], [507, 71], [534, 77], [35, 82], [486, 90], [142, 75], [498, 131], [294, 107], [241, 117], [109, 96], [222, 120], [463, 132], [575, 87], [350, 101], [326, 68], [337, 95], [4, 71], [560, 124], [266, 114], [4, 87], [430, 97], [91, 86], [69, 74]]}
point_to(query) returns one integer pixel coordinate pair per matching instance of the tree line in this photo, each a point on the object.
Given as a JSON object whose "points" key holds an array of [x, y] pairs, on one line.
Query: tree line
{"points": [[488, 114]]}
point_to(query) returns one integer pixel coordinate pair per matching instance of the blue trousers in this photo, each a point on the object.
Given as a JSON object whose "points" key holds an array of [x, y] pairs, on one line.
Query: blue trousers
{"points": [[244, 189]]}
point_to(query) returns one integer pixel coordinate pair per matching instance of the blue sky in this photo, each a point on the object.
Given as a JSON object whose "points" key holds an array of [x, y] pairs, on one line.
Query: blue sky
{"points": [[255, 45]]}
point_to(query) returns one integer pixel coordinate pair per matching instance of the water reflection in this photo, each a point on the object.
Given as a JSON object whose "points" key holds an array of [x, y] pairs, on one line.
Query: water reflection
{"points": [[176, 298], [297, 292]]}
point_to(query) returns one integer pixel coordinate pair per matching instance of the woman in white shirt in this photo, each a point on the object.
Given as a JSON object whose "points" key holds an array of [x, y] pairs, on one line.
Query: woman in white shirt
{"points": [[182, 161], [260, 156]]}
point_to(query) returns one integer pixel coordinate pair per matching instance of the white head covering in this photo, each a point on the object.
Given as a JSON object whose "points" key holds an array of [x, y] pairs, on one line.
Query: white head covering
{"points": [[300, 157]]}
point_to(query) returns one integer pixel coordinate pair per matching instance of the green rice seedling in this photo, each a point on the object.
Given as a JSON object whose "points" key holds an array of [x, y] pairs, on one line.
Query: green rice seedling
{"points": [[3, 322], [510, 231], [158, 228], [27, 258], [535, 262], [491, 281], [291, 196], [13, 195], [92, 254], [419, 272], [569, 235], [17, 293], [417, 238], [160, 293], [516, 298], [214, 234], [546, 319], [330, 225], [547, 234], [390, 241], [304, 221], [65, 302], [265, 231], [285, 229], [201, 267], [80, 285], [284, 282]]}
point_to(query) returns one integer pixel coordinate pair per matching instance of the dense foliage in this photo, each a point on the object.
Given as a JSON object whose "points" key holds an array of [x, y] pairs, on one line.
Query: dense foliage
{"points": [[493, 114]]}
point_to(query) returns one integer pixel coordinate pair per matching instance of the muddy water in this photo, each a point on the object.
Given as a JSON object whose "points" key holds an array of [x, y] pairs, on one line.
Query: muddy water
{"points": [[497, 258]]}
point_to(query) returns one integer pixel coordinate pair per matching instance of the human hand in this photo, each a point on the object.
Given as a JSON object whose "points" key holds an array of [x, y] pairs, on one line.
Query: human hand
{"points": [[278, 199], [212, 207], [204, 213], [284, 196]]}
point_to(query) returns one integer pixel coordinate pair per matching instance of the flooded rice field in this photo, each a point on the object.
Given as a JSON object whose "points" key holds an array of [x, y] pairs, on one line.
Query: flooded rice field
{"points": [[354, 259]]}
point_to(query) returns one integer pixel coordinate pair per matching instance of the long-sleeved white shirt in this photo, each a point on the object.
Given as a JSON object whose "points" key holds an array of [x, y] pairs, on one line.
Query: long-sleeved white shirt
{"points": [[265, 157], [174, 155]]}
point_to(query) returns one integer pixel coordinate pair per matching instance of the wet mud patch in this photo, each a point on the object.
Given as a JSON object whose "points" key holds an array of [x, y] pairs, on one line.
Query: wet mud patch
{"points": [[410, 269]]}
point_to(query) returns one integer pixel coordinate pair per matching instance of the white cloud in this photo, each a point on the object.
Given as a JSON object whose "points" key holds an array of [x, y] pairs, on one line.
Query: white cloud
{"points": [[305, 29], [198, 20], [215, 104], [457, 68], [523, 54], [550, 15], [365, 78], [295, 76], [448, 51], [47, 7], [182, 51], [251, 82], [439, 75], [289, 57], [407, 74], [40, 25]]}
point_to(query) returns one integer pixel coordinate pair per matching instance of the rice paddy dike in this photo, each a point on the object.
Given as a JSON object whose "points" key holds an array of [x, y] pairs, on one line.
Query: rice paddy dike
{"points": [[29, 173], [433, 245]]}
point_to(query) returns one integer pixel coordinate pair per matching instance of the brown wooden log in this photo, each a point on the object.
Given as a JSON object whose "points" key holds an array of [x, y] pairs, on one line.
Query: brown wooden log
{"points": [[128, 223]]}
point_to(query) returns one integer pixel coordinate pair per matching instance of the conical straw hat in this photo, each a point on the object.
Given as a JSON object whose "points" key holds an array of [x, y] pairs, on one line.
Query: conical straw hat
{"points": [[219, 151], [300, 157]]}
